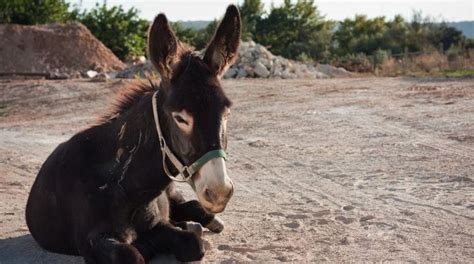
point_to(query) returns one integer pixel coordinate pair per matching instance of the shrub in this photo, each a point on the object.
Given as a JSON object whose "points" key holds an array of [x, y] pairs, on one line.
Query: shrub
{"points": [[355, 62], [30, 12], [121, 31]]}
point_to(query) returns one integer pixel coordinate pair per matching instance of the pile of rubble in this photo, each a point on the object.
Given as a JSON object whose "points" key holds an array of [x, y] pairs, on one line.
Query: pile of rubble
{"points": [[255, 61]]}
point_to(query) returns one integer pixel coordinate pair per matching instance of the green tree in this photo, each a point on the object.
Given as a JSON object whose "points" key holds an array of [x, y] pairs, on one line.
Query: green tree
{"points": [[121, 31], [196, 38], [250, 12], [361, 35], [445, 36], [30, 12], [395, 39], [296, 30]]}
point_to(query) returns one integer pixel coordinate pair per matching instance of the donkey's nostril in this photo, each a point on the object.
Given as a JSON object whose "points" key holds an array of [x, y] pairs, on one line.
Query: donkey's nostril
{"points": [[231, 192], [209, 196]]}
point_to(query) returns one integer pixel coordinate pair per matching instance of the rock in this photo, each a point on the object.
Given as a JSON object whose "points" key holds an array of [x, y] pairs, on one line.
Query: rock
{"points": [[320, 75], [231, 73], [142, 59], [91, 74], [332, 71], [260, 70], [286, 74], [249, 70], [101, 77], [242, 73], [265, 62], [254, 61], [346, 240]]}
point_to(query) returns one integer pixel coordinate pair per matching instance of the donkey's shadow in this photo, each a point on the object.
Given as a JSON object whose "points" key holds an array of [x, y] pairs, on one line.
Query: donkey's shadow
{"points": [[23, 249]]}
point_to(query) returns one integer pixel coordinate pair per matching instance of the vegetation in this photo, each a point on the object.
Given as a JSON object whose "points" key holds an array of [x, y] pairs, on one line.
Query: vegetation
{"points": [[198, 38], [460, 73], [29, 12], [295, 30], [121, 31]]}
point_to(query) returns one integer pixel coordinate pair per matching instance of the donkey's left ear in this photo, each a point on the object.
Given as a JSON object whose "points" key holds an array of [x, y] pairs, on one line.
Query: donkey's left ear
{"points": [[222, 50]]}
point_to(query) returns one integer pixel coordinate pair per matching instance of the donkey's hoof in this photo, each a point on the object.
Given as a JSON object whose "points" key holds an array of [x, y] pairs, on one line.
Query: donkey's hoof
{"points": [[191, 248], [216, 225], [195, 228]]}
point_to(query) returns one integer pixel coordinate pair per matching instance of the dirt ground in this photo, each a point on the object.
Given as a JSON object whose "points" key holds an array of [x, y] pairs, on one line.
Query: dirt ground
{"points": [[336, 170]]}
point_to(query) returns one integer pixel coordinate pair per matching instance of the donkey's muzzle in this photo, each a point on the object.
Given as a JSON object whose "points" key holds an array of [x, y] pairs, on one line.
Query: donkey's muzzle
{"points": [[213, 186], [219, 200]]}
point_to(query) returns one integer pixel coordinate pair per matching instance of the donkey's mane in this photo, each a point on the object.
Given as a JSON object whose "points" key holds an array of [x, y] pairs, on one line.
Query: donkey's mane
{"points": [[131, 93], [126, 97]]}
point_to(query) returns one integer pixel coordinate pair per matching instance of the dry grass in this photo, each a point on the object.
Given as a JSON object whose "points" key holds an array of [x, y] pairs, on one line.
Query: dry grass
{"points": [[434, 63]]}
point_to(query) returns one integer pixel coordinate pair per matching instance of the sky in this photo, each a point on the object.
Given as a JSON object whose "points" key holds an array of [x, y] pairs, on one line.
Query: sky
{"points": [[439, 10]]}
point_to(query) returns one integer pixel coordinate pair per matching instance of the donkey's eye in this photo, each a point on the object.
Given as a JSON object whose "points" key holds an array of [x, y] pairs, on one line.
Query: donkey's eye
{"points": [[180, 119]]}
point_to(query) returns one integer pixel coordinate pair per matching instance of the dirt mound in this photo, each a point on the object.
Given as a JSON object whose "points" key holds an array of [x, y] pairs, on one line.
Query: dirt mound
{"points": [[62, 49]]}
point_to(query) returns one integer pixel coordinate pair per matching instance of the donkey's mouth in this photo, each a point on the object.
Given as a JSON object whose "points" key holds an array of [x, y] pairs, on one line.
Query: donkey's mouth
{"points": [[214, 210]]}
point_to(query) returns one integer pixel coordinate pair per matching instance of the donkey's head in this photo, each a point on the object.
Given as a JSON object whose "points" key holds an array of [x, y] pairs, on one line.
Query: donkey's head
{"points": [[195, 106]]}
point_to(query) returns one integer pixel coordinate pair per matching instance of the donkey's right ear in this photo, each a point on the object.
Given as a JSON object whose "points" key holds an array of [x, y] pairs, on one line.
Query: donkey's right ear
{"points": [[162, 46]]}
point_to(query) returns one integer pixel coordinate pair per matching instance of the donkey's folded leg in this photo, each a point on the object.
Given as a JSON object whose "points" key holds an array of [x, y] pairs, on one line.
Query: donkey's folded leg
{"points": [[196, 228], [167, 239], [102, 248], [193, 211]]}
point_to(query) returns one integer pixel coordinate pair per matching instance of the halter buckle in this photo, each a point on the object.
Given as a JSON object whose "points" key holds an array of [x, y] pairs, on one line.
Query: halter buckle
{"points": [[185, 172]]}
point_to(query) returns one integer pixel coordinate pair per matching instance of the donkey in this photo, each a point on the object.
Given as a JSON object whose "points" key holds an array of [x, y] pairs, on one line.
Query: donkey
{"points": [[108, 192]]}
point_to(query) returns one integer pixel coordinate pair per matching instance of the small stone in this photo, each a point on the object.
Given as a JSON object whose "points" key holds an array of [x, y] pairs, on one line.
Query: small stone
{"points": [[346, 241], [91, 74], [293, 224], [366, 218], [348, 207], [231, 73], [286, 74], [224, 247], [242, 73], [260, 70]]}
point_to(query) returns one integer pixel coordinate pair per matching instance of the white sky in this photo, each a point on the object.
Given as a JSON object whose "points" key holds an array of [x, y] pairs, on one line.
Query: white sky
{"points": [[447, 10]]}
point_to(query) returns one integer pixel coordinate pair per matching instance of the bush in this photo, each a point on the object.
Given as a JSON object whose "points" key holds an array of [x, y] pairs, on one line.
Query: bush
{"points": [[121, 31], [355, 63], [30, 12], [196, 38]]}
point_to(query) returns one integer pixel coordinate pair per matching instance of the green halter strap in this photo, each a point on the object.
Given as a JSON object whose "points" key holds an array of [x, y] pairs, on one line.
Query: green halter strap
{"points": [[185, 171]]}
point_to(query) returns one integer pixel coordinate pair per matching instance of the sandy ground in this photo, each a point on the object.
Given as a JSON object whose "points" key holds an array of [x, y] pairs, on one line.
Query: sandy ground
{"points": [[341, 170]]}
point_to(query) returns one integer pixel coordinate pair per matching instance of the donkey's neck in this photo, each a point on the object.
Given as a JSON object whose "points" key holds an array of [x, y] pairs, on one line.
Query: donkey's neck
{"points": [[138, 156]]}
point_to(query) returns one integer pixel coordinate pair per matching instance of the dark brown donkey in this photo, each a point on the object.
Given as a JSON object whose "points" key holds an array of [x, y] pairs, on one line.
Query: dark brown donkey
{"points": [[107, 193]]}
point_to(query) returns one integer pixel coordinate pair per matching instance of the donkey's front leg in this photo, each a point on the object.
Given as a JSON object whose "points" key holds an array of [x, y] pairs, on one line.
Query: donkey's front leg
{"points": [[166, 239], [102, 248], [193, 211]]}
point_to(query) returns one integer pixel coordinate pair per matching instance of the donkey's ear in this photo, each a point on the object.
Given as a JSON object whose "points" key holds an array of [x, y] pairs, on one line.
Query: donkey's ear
{"points": [[222, 50], [162, 46]]}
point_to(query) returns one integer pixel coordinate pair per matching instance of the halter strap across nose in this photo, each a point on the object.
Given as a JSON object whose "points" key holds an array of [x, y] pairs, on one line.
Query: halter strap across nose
{"points": [[185, 171]]}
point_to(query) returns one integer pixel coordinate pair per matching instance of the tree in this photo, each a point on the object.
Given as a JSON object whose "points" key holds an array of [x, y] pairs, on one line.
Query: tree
{"points": [[30, 12], [250, 12], [121, 31], [395, 38], [296, 30], [361, 35], [445, 36], [196, 38]]}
